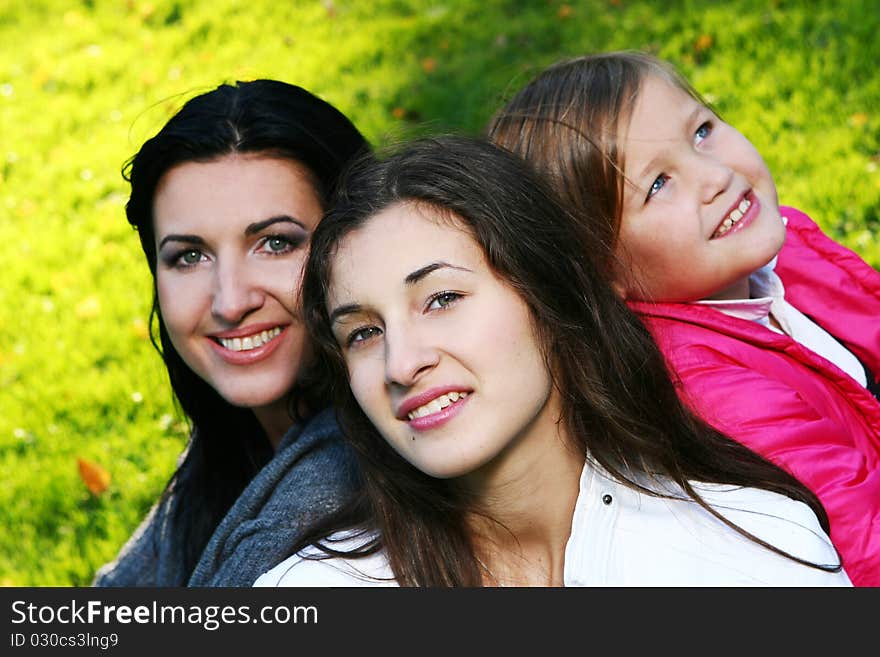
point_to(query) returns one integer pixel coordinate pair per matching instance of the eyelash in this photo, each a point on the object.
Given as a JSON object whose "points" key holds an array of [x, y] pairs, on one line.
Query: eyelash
{"points": [[352, 341], [663, 178], [705, 124], [175, 259], [292, 243], [455, 296]]}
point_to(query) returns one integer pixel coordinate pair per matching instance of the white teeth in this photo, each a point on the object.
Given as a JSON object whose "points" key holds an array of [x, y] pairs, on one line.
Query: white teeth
{"points": [[251, 341], [436, 405], [735, 215]]}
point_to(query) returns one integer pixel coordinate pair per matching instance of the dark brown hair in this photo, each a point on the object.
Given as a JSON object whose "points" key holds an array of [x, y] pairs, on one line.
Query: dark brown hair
{"points": [[619, 404]]}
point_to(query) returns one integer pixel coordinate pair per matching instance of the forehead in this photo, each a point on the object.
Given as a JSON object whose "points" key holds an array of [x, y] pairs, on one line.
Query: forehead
{"points": [[395, 242], [659, 100], [234, 189]]}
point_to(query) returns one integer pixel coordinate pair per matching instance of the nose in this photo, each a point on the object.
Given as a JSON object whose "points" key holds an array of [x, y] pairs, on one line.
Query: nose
{"points": [[235, 295], [714, 178], [407, 356]]}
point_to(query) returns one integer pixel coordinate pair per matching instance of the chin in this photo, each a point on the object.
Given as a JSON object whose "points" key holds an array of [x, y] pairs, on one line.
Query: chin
{"points": [[257, 398]]}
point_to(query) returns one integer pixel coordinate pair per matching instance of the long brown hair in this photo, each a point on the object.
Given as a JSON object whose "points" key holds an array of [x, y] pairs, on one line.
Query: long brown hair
{"points": [[619, 404]]}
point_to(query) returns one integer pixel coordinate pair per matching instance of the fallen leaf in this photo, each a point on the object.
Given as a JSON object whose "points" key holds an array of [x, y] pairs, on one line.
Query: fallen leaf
{"points": [[429, 64], [96, 478], [703, 43], [565, 11]]}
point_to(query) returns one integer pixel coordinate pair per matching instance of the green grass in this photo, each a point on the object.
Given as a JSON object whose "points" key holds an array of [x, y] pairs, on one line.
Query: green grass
{"points": [[82, 85]]}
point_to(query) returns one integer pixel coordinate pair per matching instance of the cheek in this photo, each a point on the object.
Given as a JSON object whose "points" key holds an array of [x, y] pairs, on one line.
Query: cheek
{"points": [[507, 344], [367, 385], [283, 281], [179, 302]]}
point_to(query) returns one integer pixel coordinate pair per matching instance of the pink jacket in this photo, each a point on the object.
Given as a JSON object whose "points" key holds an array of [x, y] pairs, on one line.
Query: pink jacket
{"points": [[783, 400]]}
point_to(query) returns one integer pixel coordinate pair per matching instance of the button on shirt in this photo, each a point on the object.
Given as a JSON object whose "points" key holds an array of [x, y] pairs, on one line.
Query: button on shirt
{"points": [[622, 537]]}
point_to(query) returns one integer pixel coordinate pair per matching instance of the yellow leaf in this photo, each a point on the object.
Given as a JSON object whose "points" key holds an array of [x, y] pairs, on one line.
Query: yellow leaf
{"points": [[858, 119], [88, 308], [96, 478]]}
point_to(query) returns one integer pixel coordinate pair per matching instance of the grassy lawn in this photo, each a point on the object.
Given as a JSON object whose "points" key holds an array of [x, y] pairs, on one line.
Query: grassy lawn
{"points": [[82, 85]]}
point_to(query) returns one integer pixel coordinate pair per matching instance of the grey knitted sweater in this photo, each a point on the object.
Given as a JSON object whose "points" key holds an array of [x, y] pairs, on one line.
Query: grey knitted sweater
{"points": [[311, 473]]}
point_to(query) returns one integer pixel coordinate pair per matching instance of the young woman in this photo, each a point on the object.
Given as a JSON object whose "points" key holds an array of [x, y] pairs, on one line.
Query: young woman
{"points": [[514, 421], [225, 198], [771, 327]]}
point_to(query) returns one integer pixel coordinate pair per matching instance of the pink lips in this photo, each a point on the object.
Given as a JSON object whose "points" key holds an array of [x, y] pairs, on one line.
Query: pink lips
{"points": [[434, 419], [441, 417], [746, 219], [251, 355]]}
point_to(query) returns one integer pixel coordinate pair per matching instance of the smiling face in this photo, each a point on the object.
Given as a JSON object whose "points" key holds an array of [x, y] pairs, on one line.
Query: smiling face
{"points": [[441, 353], [231, 236], [700, 210]]}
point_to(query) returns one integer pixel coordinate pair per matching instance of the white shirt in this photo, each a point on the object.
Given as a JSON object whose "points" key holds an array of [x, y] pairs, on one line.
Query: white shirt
{"points": [[768, 294], [621, 537]]}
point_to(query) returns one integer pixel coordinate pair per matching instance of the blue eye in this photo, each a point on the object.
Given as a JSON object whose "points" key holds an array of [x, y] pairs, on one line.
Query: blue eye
{"points": [[442, 300], [703, 131], [361, 335], [657, 185]]}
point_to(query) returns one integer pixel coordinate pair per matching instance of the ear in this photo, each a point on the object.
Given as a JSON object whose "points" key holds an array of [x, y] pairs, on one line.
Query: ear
{"points": [[620, 288]]}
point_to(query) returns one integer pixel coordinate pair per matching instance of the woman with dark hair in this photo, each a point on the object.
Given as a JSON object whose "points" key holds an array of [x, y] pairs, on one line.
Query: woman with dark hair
{"points": [[514, 421], [224, 199]]}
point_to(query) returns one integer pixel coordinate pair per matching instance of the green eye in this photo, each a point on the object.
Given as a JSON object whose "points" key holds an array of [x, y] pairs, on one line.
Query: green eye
{"points": [[443, 300], [277, 243], [190, 257]]}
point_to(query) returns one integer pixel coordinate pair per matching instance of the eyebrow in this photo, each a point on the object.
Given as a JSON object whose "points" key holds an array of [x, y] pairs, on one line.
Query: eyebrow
{"points": [[421, 272], [257, 226], [411, 279], [251, 229]]}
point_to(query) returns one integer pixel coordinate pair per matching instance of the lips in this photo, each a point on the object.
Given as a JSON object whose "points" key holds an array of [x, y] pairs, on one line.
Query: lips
{"points": [[248, 344], [736, 214], [430, 401]]}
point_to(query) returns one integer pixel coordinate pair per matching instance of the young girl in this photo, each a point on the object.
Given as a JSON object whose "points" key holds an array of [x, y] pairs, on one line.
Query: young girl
{"points": [[772, 329], [224, 199], [514, 421]]}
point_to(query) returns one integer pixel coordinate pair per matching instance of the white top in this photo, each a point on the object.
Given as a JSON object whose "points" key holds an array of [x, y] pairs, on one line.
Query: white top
{"points": [[621, 537], [768, 294]]}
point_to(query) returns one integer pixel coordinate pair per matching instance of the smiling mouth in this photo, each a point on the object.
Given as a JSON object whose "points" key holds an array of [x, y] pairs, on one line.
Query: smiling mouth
{"points": [[733, 218], [251, 341], [436, 405]]}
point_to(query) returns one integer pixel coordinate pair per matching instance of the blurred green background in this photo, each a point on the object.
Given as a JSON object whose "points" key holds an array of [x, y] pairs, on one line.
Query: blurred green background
{"points": [[83, 84]]}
